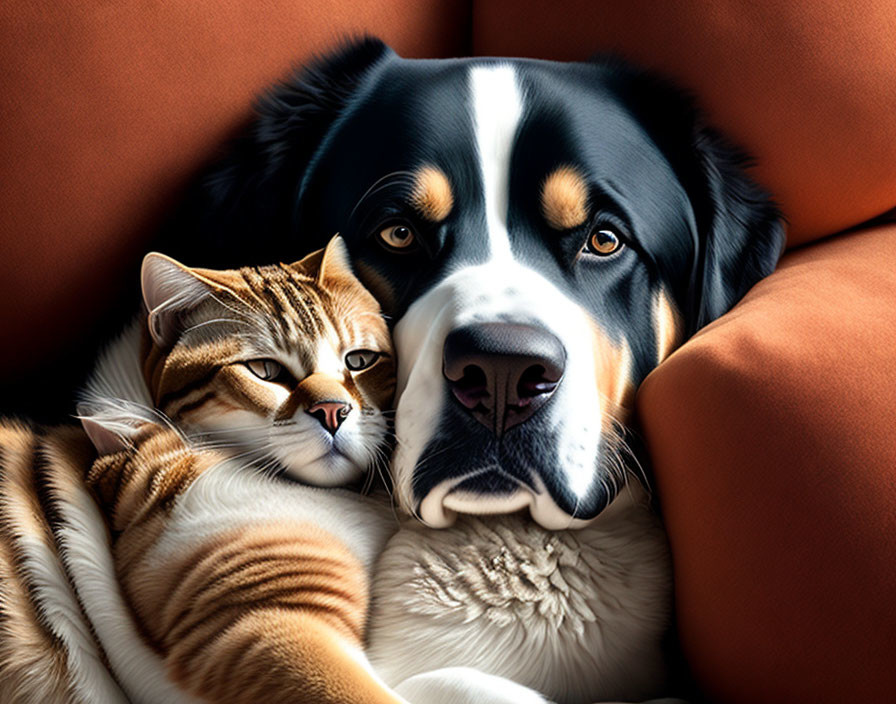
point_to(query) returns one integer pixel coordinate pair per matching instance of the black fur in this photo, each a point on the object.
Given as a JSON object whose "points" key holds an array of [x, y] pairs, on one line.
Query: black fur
{"points": [[247, 208], [253, 189]]}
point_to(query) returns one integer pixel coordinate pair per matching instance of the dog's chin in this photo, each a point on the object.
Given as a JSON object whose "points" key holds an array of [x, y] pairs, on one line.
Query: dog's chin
{"points": [[519, 472], [441, 506]]}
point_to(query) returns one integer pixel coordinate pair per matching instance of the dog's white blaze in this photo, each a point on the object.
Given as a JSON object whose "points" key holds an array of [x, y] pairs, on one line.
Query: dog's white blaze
{"points": [[501, 289], [497, 108]]}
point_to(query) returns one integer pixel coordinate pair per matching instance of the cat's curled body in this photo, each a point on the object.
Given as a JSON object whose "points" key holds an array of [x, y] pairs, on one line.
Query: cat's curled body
{"points": [[178, 567]]}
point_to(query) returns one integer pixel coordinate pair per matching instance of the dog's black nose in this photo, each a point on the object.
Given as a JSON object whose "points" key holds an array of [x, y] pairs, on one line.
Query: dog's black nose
{"points": [[502, 372]]}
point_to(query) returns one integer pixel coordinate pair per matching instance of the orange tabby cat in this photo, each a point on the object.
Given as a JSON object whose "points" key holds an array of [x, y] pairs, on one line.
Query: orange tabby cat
{"points": [[181, 566]]}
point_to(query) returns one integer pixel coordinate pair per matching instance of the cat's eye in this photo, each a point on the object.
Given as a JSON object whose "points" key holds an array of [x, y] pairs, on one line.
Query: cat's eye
{"points": [[397, 237], [603, 241], [265, 369], [356, 360]]}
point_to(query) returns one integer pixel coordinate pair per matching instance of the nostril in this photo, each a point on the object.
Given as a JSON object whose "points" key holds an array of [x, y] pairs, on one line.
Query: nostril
{"points": [[472, 387], [534, 382], [320, 415]]}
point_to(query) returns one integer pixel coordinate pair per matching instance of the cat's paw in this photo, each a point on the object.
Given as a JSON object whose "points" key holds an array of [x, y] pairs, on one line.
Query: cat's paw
{"points": [[465, 685]]}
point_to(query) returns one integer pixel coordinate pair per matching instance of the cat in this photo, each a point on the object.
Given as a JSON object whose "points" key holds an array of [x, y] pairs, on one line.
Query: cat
{"points": [[182, 565]]}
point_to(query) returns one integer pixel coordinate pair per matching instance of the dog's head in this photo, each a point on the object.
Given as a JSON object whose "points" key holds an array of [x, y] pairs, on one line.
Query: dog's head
{"points": [[542, 236]]}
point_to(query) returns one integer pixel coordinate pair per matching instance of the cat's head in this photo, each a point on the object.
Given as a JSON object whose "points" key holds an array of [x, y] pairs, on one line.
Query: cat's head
{"points": [[290, 364]]}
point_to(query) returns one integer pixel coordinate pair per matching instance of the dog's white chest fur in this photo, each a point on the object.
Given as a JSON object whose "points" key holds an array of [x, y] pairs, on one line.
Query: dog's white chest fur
{"points": [[576, 615]]}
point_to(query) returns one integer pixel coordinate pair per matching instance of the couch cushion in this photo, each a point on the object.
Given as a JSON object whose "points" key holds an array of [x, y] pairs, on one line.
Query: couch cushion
{"points": [[807, 87], [773, 433], [107, 108]]}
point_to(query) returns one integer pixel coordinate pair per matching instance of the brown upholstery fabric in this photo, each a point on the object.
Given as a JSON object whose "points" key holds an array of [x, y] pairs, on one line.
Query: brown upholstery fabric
{"points": [[809, 88], [773, 437], [107, 108], [772, 431]]}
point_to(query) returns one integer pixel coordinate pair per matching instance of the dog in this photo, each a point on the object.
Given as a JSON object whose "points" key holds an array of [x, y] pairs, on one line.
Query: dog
{"points": [[541, 235]]}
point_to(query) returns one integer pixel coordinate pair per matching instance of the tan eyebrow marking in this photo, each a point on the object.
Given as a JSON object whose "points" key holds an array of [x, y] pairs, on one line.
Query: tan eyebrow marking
{"points": [[564, 198], [432, 196]]}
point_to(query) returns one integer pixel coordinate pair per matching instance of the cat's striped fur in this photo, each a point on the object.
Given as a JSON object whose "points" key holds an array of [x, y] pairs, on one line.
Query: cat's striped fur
{"points": [[178, 567]]}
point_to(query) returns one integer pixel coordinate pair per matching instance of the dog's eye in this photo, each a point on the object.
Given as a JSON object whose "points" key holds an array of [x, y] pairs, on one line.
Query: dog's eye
{"points": [[603, 242], [265, 369], [356, 360], [397, 237]]}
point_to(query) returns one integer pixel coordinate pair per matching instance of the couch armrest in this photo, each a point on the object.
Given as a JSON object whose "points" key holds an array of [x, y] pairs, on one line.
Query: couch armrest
{"points": [[773, 437]]}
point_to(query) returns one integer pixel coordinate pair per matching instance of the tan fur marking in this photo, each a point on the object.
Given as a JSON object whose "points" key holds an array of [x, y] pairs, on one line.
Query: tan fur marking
{"points": [[32, 661], [613, 373], [314, 389], [564, 199], [432, 196], [667, 323]]}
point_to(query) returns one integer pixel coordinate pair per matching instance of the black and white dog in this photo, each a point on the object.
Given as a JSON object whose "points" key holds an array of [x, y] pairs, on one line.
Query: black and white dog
{"points": [[541, 234]]}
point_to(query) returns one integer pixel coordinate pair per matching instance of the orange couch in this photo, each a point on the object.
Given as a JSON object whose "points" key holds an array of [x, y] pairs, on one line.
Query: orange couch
{"points": [[772, 432]]}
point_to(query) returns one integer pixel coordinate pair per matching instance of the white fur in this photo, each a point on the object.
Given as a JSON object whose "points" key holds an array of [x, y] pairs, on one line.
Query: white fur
{"points": [[227, 498], [497, 108], [464, 685], [575, 615], [119, 374]]}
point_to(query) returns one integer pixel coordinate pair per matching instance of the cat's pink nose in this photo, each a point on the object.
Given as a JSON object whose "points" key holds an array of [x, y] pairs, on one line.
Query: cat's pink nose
{"points": [[330, 414]]}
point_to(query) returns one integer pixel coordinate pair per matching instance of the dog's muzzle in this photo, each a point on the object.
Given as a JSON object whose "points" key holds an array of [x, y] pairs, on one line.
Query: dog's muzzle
{"points": [[502, 373], [499, 407]]}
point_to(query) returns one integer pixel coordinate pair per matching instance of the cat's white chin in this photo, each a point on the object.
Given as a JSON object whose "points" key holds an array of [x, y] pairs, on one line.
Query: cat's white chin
{"points": [[330, 469]]}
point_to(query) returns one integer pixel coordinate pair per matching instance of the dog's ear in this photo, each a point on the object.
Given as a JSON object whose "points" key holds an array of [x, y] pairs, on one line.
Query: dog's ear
{"points": [[739, 229], [246, 200]]}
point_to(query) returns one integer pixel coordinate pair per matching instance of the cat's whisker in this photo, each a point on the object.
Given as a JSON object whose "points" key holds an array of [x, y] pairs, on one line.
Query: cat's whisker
{"points": [[213, 321]]}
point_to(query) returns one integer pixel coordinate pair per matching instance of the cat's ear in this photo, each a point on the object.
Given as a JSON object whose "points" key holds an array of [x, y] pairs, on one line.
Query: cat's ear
{"points": [[310, 264], [335, 264], [108, 434], [170, 289], [105, 440], [112, 424], [329, 264]]}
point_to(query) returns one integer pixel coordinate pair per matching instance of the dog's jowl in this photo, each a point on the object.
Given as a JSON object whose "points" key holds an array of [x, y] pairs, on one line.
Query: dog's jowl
{"points": [[541, 234]]}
